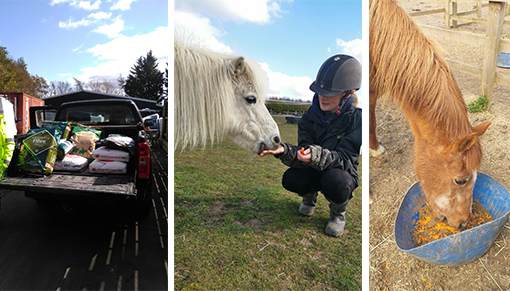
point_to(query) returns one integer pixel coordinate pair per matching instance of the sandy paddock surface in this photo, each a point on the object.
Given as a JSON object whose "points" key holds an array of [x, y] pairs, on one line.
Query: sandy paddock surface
{"points": [[393, 173]]}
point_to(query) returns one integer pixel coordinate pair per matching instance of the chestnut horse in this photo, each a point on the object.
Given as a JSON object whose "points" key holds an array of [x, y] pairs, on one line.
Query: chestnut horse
{"points": [[414, 73]]}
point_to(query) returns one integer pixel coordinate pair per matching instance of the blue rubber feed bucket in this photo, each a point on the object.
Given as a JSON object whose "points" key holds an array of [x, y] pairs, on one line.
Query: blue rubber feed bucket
{"points": [[464, 246], [503, 60]]}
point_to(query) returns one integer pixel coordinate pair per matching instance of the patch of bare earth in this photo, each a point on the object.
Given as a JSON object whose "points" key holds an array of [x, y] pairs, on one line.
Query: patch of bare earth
{"points": [[392, 174]]}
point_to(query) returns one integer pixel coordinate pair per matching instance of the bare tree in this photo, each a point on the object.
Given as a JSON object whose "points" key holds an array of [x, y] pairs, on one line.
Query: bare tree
{"points": [[58, 88], [99, 85], [79, 84], [121, 81], [104, 86]]}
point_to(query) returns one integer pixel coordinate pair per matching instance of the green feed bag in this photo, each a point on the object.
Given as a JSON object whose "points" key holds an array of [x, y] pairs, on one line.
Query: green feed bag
{"points": [[39, 150]]}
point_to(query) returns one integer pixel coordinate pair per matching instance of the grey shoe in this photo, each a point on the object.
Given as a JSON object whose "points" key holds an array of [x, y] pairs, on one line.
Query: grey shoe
{"points": [[336, 223], [308, 205]]}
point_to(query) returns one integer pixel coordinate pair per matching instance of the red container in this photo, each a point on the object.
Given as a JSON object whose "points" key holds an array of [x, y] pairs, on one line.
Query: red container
{"points": [[22, 102]]}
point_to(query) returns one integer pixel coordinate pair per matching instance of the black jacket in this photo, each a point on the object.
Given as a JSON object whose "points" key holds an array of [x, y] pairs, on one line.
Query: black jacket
{"points": [[334, 140]]}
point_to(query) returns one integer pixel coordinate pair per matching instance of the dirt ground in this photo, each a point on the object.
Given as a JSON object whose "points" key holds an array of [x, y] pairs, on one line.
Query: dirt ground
{"points": [[393, 173]]}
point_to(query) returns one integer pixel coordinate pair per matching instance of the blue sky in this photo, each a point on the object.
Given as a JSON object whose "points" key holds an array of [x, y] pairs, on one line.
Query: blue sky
{"points": [[289, 38], [62, 39]]}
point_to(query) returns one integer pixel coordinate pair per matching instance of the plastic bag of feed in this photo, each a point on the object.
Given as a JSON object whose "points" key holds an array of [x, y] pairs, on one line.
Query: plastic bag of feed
{"points": [[104, 153], [107, 167], [64, 147], [120, 142], [73, 163], [65, 127], [84, 143], [39, 150]]}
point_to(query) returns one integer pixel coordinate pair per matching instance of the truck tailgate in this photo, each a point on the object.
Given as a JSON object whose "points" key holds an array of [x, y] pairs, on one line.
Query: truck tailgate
{"points": [[72, 184]]}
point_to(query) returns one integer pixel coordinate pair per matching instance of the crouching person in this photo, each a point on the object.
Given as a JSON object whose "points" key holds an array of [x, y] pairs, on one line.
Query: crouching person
{"points": [[329, 141]]}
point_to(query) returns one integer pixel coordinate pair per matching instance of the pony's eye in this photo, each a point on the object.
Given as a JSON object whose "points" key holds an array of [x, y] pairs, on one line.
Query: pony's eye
{"points": [[251, 99], [461, 182]]}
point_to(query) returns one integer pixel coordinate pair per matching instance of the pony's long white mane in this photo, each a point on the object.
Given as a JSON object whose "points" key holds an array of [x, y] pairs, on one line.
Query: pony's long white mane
{"points": [[205, 85]]}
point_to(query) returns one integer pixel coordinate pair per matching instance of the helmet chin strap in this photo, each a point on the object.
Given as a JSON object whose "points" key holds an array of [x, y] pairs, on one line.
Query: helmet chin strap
{"points": [[342, 102]]}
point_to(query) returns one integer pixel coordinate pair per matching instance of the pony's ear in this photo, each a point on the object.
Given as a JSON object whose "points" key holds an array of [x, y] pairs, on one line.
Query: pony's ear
{"points": [[482, 127], [239, 67], [466, 142]]}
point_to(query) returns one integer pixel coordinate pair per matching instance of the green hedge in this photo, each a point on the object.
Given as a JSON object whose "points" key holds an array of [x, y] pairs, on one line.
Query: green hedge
{"points": [[281, 108]]}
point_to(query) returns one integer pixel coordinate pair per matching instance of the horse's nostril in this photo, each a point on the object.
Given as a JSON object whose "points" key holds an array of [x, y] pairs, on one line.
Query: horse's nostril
{"points": [[276, 139], [463, 225]]}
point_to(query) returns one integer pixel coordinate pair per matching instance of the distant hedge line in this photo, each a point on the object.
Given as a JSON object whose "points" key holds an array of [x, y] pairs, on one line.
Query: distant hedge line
{"points": [[279, 108]]}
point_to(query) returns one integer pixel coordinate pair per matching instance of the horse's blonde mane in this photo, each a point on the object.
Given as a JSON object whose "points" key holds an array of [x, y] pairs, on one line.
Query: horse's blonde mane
{"points": [[204, 93], [413, 70]]}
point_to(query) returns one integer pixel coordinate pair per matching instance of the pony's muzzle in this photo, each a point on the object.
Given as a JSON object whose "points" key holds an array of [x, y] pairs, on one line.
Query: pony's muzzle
{"points": [[272, 144]]}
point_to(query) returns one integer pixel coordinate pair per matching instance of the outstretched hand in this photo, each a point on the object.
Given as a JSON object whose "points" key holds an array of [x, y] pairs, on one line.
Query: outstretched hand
{"points": [[304, 155], [279, 150]]}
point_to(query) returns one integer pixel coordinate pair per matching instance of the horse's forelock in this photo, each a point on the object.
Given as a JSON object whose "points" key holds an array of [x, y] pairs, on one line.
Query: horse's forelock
{"points": [[474, 157], [257, 78]]}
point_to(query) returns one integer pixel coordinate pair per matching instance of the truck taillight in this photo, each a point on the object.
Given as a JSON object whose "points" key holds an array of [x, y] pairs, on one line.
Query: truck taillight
{"points": [[144, 161]]}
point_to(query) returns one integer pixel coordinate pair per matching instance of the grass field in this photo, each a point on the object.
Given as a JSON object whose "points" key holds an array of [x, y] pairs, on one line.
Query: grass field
{"points": [[237, 228]]}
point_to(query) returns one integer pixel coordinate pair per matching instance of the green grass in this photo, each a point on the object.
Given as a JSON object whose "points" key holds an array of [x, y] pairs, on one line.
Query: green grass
{"points": [[479, 104], [237, 228]]}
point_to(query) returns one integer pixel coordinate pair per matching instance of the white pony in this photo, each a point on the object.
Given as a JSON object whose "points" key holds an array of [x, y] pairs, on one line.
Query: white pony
{"points": [[218, 95]]}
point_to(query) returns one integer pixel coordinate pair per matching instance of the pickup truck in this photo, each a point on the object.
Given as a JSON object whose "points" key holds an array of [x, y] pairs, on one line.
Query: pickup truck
{"points": [[117, 116]]}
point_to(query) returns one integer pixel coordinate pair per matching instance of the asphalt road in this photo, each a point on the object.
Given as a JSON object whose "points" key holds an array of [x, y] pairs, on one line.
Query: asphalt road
{"points": [[87, 249]]}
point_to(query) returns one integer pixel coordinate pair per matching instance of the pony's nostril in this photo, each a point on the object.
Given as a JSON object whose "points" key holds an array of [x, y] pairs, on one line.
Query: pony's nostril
{"points": [[276, 139]]}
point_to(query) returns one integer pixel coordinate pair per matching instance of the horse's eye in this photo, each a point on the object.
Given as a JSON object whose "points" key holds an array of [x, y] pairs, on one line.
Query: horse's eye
{"points": [[461, 182], [251, 99]]}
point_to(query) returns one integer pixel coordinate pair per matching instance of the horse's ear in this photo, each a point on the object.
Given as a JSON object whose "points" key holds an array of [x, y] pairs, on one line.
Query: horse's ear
{"points": [[466, 142], [482, 127], [239, 67], [469, 140]]}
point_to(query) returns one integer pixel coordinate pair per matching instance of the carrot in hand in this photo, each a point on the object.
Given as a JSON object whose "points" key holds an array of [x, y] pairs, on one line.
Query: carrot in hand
{"points": [[302, 151]]}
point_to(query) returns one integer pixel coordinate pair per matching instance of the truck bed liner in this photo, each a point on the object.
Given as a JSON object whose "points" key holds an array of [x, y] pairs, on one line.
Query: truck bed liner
{"points": [[72, 184]]}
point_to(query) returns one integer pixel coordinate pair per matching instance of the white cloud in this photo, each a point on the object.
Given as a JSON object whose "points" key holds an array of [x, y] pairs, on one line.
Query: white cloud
{"points": [[120, 54], [257, 11], [53, 2], [91, 19], [353, 48], [111, 30], [86, 5], [196, 29], [100, 15], [281, 85], [70, 24], [77, 48], [64, 75], [122, 5]]}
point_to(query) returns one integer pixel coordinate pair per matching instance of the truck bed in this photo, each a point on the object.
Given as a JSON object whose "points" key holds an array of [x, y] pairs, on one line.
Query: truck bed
{"points": [[82, 183], [117, 117]]}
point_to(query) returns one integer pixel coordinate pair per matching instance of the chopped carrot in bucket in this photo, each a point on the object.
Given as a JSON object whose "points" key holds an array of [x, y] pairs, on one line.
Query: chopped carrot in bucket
{"points": [[423, 234]]}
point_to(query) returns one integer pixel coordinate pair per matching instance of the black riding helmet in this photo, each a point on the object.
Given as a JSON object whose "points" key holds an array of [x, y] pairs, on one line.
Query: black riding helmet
{"points": [[338, 74]]}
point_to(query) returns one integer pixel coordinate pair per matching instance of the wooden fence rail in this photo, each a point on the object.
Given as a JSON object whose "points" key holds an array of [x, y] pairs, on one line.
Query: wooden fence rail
{"points": [[491, 42]]}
